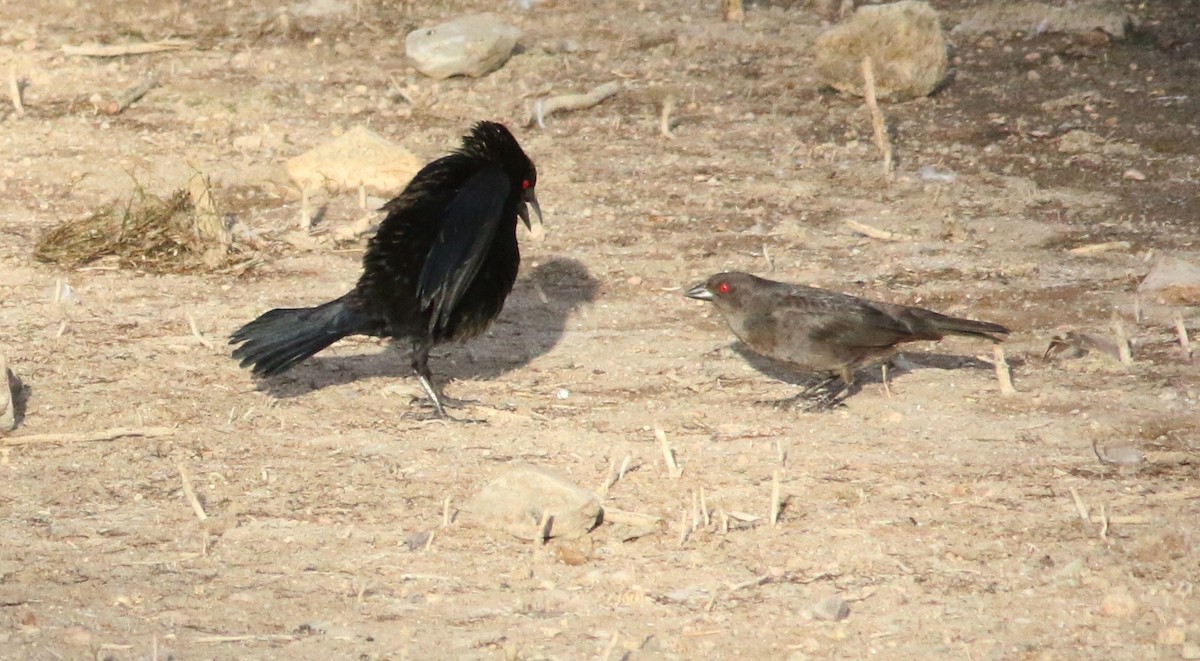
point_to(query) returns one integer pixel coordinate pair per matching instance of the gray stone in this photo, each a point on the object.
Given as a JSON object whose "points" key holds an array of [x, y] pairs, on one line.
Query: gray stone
{"points": [[472, 45], [1172, 281], [904, 41], [1038, 17], [831, 609], [523, 498]]}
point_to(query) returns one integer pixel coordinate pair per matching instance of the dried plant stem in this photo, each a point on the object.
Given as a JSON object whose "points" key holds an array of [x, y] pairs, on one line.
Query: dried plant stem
{"points": [[88, 437], [1003, 374], [130, 96], [1123, 352], [673, 469], [118, 50], [190, 493], [1181, 331], [543, 108], [776, 505], [14, 92], [1079, 506], [875, 232], [877, 122]]}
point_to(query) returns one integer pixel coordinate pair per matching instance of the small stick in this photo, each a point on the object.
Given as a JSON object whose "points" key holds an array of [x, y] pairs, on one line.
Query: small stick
{"points": [[724, 523], [775, 504], [118, 50], [1096, 248], [704, 509], [877, 122], [780, 455], [664, 122], [1137, 309], [548, 106], [543, 529], [876, 233], [883, 374], [447, 519], [1103, 523], [242, 639], [683, 528], [1003, 373], [754, 582], [695, 511], [1185, 344], [767, 256], [88, 437], [14, 91], [190, 493], [1123, 353], [732, 10], [612, 645], [429, 541], [196, 331], [624, 467], [610, 477], [673, 468], [1079, 506], [130, 96]]}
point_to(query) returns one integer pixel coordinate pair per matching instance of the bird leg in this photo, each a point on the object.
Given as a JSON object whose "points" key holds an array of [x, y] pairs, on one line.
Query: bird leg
{"points": [[438, 399]]}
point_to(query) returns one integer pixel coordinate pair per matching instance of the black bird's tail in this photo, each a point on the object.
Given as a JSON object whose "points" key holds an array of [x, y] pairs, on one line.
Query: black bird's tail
{"points": [[281, 338]]}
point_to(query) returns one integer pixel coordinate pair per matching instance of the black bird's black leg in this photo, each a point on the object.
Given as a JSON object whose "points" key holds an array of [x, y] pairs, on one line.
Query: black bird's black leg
{"points": [[420, 365]]}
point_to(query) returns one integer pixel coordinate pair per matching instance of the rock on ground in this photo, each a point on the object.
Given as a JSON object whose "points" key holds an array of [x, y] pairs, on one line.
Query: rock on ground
{"points": [[469, 46], [518, 501], [1172, 281], [904, 41], [1037, 17], [361, 157]]}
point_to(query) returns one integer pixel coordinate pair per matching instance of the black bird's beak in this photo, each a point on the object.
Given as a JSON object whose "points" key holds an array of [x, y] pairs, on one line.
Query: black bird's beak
{"points": [[537, 230], [699, 292]]}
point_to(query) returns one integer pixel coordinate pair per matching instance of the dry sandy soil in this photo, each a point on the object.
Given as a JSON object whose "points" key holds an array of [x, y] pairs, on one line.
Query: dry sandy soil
{"points": [[947, 515]]}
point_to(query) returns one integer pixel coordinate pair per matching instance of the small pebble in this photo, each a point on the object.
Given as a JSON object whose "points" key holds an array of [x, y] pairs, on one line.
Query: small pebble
{"points": [[1135, 175], [1118, 604], [562, 393], [831, 609]]}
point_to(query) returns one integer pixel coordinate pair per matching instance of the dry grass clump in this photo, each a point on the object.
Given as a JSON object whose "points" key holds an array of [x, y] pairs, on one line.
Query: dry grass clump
{"points": [[181, 233]]}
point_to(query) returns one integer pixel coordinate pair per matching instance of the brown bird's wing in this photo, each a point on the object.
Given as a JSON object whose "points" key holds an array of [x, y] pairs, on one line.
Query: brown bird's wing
{"points": [[843, 320], [469, 224]]}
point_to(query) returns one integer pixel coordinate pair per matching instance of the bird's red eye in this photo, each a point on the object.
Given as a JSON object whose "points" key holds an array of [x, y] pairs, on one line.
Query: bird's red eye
{"points": [[526, 184], [724, 288]]}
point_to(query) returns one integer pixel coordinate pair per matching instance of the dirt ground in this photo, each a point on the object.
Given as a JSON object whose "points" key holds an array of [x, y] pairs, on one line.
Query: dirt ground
{"points": [[947, 515]]}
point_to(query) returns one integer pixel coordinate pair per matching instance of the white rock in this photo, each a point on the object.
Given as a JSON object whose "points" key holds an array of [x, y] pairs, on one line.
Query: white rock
{"points": [[473, 46], [360, 157], [519, 500], [904, 40]]}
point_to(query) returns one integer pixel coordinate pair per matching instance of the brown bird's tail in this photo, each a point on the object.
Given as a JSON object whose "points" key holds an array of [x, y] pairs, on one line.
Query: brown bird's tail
{"points": [[957, 326], [281, 338]]}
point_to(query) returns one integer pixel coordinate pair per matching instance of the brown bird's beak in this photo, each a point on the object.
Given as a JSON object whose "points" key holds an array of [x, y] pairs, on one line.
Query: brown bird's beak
{"points": [[699, 292], [537, 230]]}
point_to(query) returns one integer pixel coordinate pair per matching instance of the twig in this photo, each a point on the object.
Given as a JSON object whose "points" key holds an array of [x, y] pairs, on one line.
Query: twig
{"points": [[754, 582], [190, 493], [89, 437], [196, 331], [775, 504], [1079, 506], [732, 10], [118, 50], [1096, 248], [876, 233], [877, 122], [447, 519], [673, 468], [1103, 523], [664, 122], [543, 108], [543, 529], [683, 527], [1123, 353], [242, 639], [612, 645], [780, 454], [704, 509], [1003, 374], [130, 96], [14, 91], [1185, 344]]}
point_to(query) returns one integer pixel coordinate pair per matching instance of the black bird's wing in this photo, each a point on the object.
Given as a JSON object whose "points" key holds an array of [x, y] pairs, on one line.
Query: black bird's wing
{"points": [[469, 224]]}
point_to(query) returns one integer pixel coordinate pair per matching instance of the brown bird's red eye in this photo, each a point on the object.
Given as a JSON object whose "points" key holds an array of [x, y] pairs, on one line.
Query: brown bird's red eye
{"points": [[724, 288], [525, 185]]}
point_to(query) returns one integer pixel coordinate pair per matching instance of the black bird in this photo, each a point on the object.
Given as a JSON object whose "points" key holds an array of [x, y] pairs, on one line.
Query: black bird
{"points": [[439, 269], [817, 330]]}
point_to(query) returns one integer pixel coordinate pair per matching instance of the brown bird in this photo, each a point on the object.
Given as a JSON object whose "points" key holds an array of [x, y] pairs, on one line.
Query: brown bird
{"points": [[817, 330]]}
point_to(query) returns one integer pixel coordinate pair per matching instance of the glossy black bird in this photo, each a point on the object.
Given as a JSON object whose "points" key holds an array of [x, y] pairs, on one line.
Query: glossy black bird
{"points": [[817, 330], [439, 269]]}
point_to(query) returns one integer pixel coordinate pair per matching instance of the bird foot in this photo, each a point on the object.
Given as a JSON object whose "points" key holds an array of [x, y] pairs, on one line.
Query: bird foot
{"points": [[433, 410]]}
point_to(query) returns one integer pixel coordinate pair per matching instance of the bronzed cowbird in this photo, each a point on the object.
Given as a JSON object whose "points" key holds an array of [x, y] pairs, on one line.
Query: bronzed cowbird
{"points": [[817, 330]]}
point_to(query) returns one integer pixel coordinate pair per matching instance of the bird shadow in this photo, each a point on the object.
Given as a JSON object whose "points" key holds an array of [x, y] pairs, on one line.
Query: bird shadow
{"points": [[533, 322]]}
